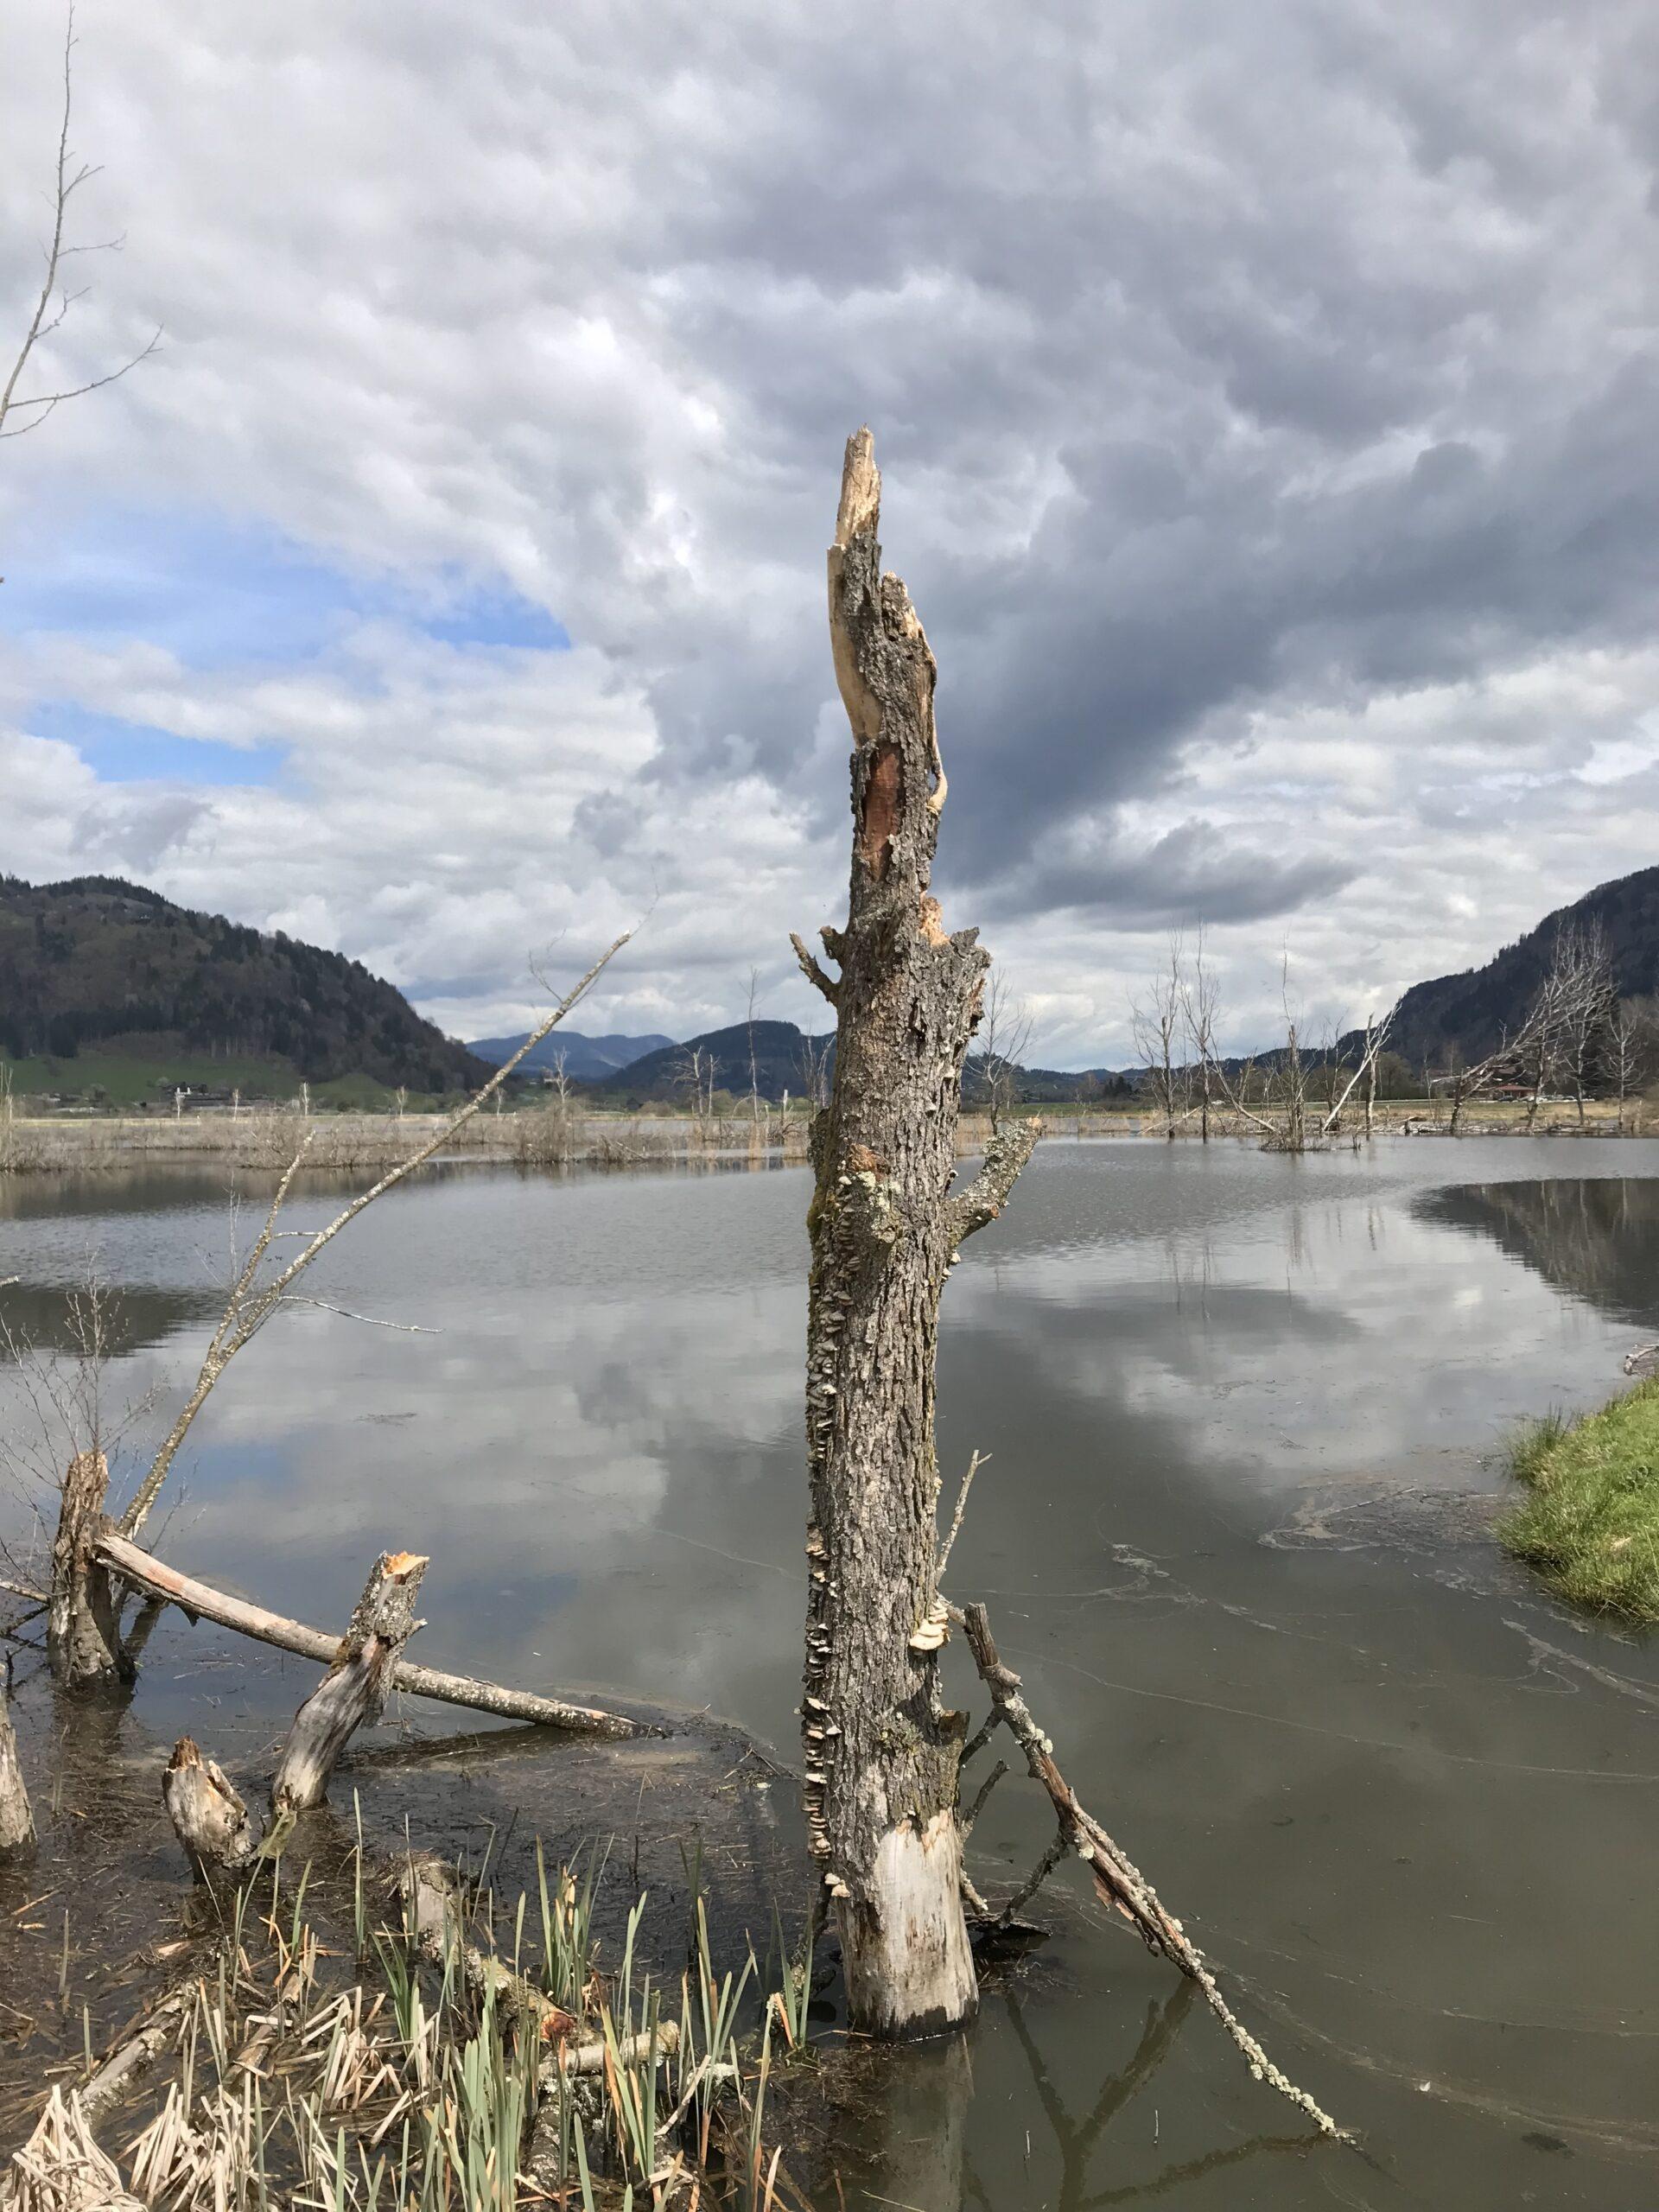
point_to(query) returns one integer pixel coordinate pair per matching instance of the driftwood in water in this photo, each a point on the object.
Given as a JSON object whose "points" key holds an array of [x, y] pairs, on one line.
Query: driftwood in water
{"points": [[352, 1692], [1118, 1882], [82, 1634], [200, 1600], [881, 1745], [208, 1813], [17, 1820]]}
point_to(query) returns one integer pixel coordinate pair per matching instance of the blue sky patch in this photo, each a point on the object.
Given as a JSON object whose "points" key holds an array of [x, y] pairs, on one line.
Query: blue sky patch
{"points": [[120, 752], [220, 595]]}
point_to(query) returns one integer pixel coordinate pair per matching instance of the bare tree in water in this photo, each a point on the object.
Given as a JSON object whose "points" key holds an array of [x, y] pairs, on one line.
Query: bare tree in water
{"points": [[1005, 1030], [1156, 1022], [882, 1747]]}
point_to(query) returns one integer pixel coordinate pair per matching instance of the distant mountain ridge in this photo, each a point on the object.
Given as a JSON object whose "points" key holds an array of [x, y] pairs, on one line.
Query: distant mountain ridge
{"points": [[584, 1057], [101, 963], [1470, 1012]]}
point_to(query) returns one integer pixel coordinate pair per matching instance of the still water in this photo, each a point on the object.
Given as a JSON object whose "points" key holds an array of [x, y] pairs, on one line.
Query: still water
{"points": [[1242, 1415]]}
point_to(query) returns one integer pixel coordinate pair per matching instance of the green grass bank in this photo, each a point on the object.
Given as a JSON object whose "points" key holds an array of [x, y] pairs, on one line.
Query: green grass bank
{"points": [[1590, 1519]]}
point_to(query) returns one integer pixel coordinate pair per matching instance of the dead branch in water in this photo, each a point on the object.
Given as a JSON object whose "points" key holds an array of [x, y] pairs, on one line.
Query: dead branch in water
{"points": [[251, 1303], [135, 1564], [1118, 1881]]}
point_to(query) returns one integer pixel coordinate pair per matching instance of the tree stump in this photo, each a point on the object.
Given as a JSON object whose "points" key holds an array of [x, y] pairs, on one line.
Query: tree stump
{"points": [[354, 1690], [82, 1632]]}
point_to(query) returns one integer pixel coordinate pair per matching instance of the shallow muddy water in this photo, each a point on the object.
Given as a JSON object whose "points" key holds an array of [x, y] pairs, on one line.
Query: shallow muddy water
{"points": [[1242, 1414]]}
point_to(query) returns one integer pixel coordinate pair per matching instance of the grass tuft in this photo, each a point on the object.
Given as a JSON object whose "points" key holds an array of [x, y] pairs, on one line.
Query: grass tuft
{"points": [[1590, 1519]]}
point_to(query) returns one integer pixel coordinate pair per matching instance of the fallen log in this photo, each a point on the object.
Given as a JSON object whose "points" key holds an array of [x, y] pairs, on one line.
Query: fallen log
{"points": [[352, 1692], [201, 1601], [1118, 1882]]}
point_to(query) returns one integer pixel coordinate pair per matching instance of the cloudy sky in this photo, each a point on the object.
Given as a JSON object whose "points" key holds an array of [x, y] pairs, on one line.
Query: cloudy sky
{"points": [[1265, 397]]}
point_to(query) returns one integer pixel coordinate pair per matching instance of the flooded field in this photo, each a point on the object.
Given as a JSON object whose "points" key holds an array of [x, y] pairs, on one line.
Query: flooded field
{"points": [[1242, 1414]]}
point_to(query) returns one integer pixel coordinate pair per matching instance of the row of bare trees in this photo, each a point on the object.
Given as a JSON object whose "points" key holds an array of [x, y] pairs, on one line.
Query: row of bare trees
{"points": [[1293, 1098]]}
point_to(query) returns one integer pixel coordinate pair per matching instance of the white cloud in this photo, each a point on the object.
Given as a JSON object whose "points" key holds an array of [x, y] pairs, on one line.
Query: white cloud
{"points": [[1265, 399]]}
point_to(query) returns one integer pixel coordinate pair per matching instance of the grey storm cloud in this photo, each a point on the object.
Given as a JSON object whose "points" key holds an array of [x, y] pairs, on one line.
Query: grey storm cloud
{"points": [[1265, 397]]}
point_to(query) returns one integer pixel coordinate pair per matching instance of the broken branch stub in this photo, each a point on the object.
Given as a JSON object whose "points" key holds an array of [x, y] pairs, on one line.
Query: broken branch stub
{"points": [[352, 1692], [882, 1746]]}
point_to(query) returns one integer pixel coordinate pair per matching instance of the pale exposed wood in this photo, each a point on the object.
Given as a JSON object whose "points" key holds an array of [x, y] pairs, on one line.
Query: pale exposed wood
{"points": [[207, 1810], [135, 1564], [881, 1747], [16, 1818], [351, 1694]]}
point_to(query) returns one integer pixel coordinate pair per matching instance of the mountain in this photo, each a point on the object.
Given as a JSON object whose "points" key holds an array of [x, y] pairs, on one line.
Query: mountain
{"points": [[1469, 1012], [100, 965], [589, 1058], [780, 1064]]}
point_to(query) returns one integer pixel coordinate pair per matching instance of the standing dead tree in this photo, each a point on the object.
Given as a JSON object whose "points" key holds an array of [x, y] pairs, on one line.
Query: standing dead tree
{"points": [[1200, 997], [881, 1747], [1155, 1023], [1567, 1037], [1005, 1038], [54, 302]]}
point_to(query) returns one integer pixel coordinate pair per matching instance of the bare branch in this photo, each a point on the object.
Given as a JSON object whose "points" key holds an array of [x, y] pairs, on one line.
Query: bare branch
{"points": [[43, 320], [813, 973], [248, 1307], [986, 1196]]}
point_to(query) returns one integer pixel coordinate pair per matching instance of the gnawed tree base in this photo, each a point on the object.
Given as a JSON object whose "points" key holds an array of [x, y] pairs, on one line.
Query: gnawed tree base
{"points": [[208, 1811], [82, 1629], [352, 1692]]}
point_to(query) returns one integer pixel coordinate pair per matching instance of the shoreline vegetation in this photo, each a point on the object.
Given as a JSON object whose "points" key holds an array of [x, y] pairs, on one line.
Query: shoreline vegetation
{"points": [[1589, 1521], [535, 1135]]}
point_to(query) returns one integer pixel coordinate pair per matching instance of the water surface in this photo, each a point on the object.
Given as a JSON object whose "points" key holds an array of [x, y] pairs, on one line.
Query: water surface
{"points": [[1242, 1413]]}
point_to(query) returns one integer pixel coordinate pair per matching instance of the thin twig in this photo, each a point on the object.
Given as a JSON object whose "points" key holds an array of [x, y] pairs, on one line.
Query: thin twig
{"points": [[974, 1467]]}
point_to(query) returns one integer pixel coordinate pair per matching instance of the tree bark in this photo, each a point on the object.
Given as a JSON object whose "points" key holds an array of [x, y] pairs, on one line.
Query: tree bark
{"points": [[17, 1820], [82, 1634], [881, 1747], [352, 1692]]}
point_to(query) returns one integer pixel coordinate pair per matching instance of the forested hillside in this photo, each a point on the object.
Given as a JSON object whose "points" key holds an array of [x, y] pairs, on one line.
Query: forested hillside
{"points": [[1468, 1015], [98, 965]]}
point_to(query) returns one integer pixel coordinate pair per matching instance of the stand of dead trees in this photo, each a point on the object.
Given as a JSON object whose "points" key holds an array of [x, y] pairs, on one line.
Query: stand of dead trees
{"points": [[1577, 1038], [1276, 1095]]}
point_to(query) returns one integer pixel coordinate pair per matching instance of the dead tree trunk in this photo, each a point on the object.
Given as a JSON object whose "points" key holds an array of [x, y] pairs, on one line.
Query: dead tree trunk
{"points": [[16, 1820], [352, 1692], [881, 1748], [82, 1634]]}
